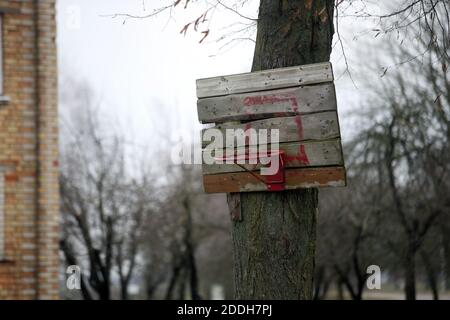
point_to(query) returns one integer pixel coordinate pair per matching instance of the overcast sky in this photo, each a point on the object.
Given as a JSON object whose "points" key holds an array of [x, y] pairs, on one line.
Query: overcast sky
{"points": [[143, 71]]}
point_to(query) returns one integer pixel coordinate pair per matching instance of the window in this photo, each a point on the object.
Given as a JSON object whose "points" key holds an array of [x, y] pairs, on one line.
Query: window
{"points": [[2, 214]]}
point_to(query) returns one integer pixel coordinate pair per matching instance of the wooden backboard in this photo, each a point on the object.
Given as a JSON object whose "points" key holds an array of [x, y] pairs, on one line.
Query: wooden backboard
{"points": [[300, 102]]}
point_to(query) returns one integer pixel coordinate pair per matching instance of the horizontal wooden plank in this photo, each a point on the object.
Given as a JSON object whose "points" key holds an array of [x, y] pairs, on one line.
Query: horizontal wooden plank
{"points": [[315, 126], [265, 80], [267, 104], [308, 154], [296, 178]]}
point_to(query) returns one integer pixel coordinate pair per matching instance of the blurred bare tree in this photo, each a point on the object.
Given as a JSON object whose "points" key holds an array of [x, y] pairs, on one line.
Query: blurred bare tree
{"points": [[191, 221], [104, 205], [404, 154], [347, 236], [141, 222]]}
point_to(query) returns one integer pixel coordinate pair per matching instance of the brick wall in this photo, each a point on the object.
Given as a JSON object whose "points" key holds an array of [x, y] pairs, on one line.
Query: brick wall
{"points": [[29, 151]]}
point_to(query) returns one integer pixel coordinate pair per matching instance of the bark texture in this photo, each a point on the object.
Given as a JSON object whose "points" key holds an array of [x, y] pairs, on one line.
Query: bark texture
{"points": [[446, 252], [274, 242], [410, 273]]}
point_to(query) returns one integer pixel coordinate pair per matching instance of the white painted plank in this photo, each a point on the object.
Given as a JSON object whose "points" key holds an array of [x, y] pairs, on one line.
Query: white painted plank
{"points": [[267, 104], [265, 80], [315, 126]]}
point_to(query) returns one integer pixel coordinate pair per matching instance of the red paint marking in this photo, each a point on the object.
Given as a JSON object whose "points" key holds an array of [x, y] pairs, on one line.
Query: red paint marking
{"points": [[299, 124], [269, 99], [300, 157], [303, 157], [251, 101], [294, 103]]}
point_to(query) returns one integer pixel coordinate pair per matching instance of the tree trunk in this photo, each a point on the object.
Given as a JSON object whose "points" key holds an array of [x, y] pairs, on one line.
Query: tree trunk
{"points": [[431, 274], [193, 277], [274, 243], [173, 280], [445, 231], [322, 291], [103, 292], [124, 290], [410, 274], [319, 282], [325, 287], [340, 289], [190, 254], [182, 284], [151, 289]]}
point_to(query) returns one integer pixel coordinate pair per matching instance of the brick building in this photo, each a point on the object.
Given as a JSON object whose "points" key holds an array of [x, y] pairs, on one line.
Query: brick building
{"points": [[29, 201]]}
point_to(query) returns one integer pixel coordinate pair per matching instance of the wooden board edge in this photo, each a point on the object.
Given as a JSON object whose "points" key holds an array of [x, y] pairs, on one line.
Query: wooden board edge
{"points": [[298, 178], [204, 92], [204, 118]]}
